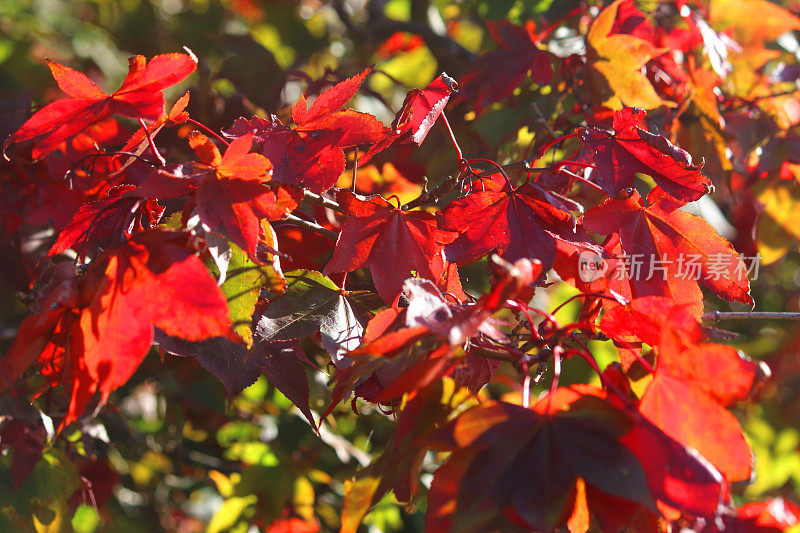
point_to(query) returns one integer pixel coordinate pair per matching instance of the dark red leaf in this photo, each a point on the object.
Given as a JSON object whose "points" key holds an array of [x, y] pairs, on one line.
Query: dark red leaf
{"points": [[517, 223], [391, 242], [620, 154]]}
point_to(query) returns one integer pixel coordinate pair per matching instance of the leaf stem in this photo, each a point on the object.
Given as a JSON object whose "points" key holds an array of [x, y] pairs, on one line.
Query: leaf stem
{"points": [[608, 384], [459, 155], [493, 163], [543, 150], [582, 295], [209, 130], [162, 162]]}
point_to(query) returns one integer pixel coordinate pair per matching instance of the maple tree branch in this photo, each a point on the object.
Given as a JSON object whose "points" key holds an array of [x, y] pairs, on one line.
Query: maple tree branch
{"points": [[432, 197], [312, 226], [756, 315], [543, 120], [324, 202]]}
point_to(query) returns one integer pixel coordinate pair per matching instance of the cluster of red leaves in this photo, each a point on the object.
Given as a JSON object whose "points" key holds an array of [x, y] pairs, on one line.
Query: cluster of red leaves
{"points": [[93, 331], [578, 454]]}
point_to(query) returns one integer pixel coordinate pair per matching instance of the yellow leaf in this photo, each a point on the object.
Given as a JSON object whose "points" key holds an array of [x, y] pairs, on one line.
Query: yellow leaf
{"points": [[754, 22], [357, 501], [617, 65], [303, 499], [779, 225]]}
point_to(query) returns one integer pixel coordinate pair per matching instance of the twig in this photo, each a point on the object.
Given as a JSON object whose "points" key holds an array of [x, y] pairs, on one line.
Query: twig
{"points": [[324, 202], [313, 226], [757, 315], [432, 197], [355, 170], [543, 120], [591, 184]]}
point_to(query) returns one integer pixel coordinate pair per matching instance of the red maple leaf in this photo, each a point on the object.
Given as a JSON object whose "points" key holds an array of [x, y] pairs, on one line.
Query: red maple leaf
{"points": [[419, 112], [646, 320], [139, 97], [311, 154], [177, 115], [667, 241], [519, 223], [687, 399], [422, 107], [231, 189], [115, 212], [693, 381], [95, 332], [629, 149], [390, 241]]}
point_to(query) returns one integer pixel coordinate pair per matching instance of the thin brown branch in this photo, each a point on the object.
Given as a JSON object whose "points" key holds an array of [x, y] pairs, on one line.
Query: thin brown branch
{"points": [[432, 197], [756, 315], [313, 226], [324, 202]]}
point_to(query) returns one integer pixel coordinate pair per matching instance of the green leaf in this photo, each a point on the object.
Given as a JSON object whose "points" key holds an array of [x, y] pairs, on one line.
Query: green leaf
{"points": [[308, 296], [242, 286], [85, 519], [53, 480], [496, 9]]}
